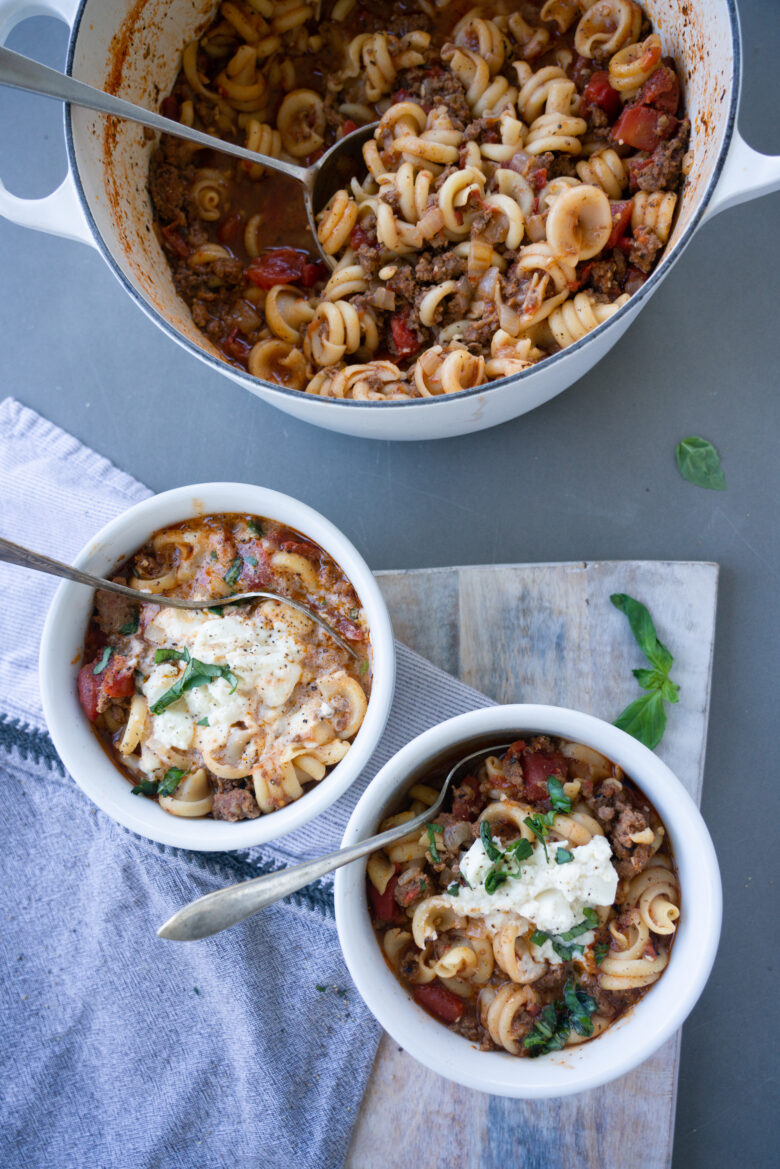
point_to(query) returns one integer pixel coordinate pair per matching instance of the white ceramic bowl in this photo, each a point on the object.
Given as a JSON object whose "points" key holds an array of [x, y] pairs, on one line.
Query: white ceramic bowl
{"points": [[63, 638], [634, 1037]]}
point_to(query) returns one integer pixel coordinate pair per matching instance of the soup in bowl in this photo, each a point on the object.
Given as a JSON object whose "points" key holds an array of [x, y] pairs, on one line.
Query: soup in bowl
{"points": [[218, 728], [553, 925]]}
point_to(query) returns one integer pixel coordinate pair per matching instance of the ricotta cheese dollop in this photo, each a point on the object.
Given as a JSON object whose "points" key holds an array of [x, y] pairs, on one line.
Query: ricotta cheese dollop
{"points": [[549, 896]]}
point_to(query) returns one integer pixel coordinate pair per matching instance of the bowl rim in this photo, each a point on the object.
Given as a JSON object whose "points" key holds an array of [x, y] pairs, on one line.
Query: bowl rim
{"points": [[244, 378], [638, 1034], [60, 658]]}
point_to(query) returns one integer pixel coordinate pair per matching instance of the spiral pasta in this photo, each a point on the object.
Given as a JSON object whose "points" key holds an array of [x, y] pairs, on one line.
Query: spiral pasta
{"points": [[477, 239]]}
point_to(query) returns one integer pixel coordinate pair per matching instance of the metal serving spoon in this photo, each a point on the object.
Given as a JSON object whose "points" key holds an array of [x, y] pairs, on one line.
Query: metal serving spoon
{"points": [[16, 554], [219, 910], [319, 181]]}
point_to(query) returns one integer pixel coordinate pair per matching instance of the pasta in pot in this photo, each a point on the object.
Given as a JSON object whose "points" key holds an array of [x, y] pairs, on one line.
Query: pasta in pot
{"points": [[539, 908], [520, 186], [235, 711]]}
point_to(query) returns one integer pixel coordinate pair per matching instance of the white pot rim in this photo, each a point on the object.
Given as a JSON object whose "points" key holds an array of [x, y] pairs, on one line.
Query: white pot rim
{"points": [[639, 1033], [60, 659]]}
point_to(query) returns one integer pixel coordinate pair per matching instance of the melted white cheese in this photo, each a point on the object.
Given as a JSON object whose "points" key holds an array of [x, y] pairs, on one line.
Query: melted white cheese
{"points": [[262, 648], [549, 896]]}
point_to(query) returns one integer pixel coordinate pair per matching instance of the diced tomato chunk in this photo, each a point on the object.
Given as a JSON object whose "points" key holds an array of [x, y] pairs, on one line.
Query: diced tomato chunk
{"points": [[536, 768], [383, 904], [643, 127], [89, 689], [277, 266], [236, 346], [599, 92], [360, 238], [313, 272], [169, 108], [662, 90], [440, 1001], [117, 680], [292, 542], [621, 217], [405, 339], [172, 238], [227, 232], [349, 127], [256, 573], [347, 628]]}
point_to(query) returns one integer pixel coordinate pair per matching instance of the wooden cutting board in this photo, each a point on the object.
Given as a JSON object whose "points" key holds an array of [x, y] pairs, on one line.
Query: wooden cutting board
{"points": [[545, 633]]}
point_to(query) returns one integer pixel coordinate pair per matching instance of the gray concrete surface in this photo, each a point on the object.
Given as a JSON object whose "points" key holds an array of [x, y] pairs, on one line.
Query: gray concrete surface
{"points": [[590, 475]]}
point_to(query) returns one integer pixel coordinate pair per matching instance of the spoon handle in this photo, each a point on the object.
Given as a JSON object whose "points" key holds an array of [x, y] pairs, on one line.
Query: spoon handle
{"points": [[21, 72], [25, 557], [226, 907]]}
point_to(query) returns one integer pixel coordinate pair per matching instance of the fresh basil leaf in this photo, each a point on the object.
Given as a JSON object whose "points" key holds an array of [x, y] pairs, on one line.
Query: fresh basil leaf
{"points": [[580, 928], [495, 877], [580, 1006], [563, 856], [321, 989], [493, 853], [203, 722], [643, 630], [196, 674], [213, 554], [600, 951], [234, 572], [454, 889], [131, 626], [649, 679], [591, 916], [432, 844], [550, 1031], [217, 610], [540, 826], [144, 787], [102, 662], [558, 801], [254, 528], [171, 655], [670, 691], [699, 462], [645, 719], [521, 849], [170, 781], [539, 937]]}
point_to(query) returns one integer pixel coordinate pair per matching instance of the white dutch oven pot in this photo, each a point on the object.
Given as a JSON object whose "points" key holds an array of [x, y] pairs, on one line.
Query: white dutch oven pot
{"points": [[132, 48]]}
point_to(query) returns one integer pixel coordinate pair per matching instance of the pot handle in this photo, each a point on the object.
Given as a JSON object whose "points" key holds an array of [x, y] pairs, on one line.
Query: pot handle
{"points": [[59, 213], [746, 175]]}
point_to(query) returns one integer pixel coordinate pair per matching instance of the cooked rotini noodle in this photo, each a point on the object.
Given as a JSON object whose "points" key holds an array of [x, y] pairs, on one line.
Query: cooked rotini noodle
{"points": [[654, 210]]}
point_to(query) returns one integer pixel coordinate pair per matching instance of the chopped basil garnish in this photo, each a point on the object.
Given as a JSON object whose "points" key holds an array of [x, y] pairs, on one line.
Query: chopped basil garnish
{"points": [[699, 463], [645, 718], [254, 528], [558, 801], [493, 853], [171, 655], [170, 781], [354, 614], [553, 1027], [145, 787], [203, 722], [495, 877], [539, 937], [563, 856], [582, 927], [234, 572], [600, 951], [363, 667], [321, 989], [131, 626], [213, 554], [196, 674], [540, 825], [521, 849], [432, 829], [102, 662], [252, 560], [454, 889]]}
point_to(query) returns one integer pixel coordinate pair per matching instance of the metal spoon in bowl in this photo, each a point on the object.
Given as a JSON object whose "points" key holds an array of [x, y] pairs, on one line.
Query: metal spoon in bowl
{"points": [[225, 907], [319, 181], [24, 557]]}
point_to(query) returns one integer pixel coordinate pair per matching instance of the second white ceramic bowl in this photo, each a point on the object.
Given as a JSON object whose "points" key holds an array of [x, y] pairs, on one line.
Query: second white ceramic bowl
{"points": [[63, 639], [638, 1033]]}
